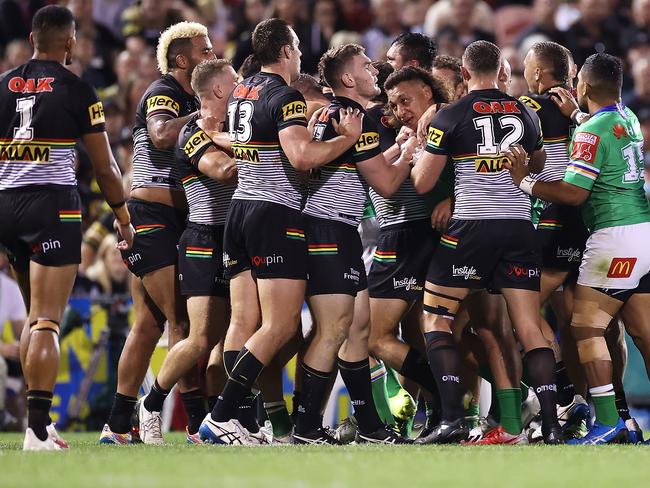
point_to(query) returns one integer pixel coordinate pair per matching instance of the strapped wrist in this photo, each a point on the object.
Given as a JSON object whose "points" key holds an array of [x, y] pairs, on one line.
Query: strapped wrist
{"points": [[122, 214], [526, 185]]}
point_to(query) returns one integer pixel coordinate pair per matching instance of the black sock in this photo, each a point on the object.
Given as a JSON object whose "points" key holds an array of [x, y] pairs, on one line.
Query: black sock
{"points": [[565, 389], [539, 365], [153, 402], [444, 363], [247, 413], [416, 367], [38, 411], [212, 401], [229, 360], [239, 383], [621, 406], [314, 387], [295, 401], [194, 404], [119, 421], [356, 377]]}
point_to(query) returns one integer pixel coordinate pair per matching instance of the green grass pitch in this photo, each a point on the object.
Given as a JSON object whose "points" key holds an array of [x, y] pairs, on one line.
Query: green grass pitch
{"points": [[178, 465]]}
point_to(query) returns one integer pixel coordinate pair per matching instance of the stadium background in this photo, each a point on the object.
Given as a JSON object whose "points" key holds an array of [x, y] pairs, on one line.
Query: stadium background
{"points": [[115, 53]]}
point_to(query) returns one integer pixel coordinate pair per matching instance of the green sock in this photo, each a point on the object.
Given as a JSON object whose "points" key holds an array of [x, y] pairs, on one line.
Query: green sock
{"points": [[472, 412], [380, 394], [393, 386], [279, 417], [510, 408], [605, 404], [524, 390]]}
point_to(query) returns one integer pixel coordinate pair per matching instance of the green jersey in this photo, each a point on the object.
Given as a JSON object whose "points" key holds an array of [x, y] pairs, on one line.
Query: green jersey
{"points": [[607, 159]]}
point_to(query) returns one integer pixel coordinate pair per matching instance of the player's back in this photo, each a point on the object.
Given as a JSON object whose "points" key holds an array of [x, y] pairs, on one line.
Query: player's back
{"points": [[258, 109], [44, 110], [475, 131]]}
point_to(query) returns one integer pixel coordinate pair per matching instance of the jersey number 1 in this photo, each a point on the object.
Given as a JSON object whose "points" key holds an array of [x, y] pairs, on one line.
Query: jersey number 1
{"points": [[24, 106]]}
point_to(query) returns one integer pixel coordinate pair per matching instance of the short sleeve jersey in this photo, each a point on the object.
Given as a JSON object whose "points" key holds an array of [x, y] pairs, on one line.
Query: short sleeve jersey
{"points": [[208, 199], [607, 159], [337, 191], [475, 131], [258, 109], [153, 167], [44, 110]]}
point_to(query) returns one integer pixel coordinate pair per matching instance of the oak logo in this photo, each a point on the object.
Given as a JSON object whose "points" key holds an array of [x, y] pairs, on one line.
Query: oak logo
{"points": [[504, 107], [30, 85], [294, 110], [367, 141], [96, 113], [162, 102], [247, 92], [621, 267], [198, 140]]}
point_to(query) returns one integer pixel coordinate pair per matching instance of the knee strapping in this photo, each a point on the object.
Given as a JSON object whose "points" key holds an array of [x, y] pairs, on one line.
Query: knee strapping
{"points": [[44, 324], [440, 304], [593, 349], [587, 313]]}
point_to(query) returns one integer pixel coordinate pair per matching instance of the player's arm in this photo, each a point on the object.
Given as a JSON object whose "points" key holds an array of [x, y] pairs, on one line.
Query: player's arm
{"points": [[427, 171], [568, 105], [561, 192], [164, 129], [537, 161], [213, 128], [428, 168], [218, 165], [386, 178]]}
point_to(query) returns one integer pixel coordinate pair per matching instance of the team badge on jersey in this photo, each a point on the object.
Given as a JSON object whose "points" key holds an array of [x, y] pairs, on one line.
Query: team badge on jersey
{"points": [[96, 113], [530, 102], [585, 145]]}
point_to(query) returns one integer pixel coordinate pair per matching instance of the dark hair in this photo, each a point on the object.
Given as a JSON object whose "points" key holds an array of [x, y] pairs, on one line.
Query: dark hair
{"points": [[180, 45], [439, 91], [443, 61], [416, 47], [384, 70], [48, 21], [333, 62], [554, 56], [482, 57], [308, 86], [269, 37], [604, 73], [205, 71], [250, 66]]}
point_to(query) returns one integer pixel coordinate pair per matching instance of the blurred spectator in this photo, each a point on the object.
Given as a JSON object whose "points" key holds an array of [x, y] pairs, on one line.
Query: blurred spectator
{"points": [[341, 38], [108, 13], [357, 15], [413, 14], [640, 98], [639, 32], [18, 52], [148, 18], [595, 31], [459, 21], [88, 65], [544, 27], [326, 19], [16, 19], [254, 12], [387, 25], [443, 13]]}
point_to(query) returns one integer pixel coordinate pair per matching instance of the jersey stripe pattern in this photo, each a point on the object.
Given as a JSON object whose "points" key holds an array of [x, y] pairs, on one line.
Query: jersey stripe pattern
{"points": [[475, 131], [406, 205], [208, 199], [153, 167], [337, 191], [258, 109], [35, 150]]}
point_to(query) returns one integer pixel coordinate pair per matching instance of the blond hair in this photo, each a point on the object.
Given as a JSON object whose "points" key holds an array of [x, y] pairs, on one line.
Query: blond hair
{"points": [[182, 30]]}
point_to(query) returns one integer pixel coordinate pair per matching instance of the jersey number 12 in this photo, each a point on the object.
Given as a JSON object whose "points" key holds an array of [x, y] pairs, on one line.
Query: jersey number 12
{"points": [[489, 145]]}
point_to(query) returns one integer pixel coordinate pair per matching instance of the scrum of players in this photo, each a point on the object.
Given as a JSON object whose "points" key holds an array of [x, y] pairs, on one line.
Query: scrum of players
{"points": [[424, 215]]}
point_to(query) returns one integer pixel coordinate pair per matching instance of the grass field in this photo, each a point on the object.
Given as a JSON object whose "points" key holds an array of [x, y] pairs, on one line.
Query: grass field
{"points": [[178, 465]]}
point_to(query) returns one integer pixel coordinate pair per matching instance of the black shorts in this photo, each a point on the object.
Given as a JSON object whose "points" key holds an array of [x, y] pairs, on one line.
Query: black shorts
{"points": [[563, 236], [487, 253], [41, 223], [625, 295], [335, 265], [399, 266], [158, 229], [267, 238], [200, 261]]}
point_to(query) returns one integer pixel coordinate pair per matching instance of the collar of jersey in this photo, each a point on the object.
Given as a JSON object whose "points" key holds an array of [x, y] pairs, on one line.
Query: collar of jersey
{"points": [[616, 107], [561, 85], [348, 102]]}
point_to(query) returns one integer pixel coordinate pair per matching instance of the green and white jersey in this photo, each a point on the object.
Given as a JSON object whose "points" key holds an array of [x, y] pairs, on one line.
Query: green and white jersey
{"points": [[607, 159]]}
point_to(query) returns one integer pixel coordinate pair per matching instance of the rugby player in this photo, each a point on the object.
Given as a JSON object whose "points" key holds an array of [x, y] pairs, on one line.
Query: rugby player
{"points": [[490, 240], [265, 251], [411, 49], [208, 176], [448, 68], [604, 175], [159, 210], [40, 209]]}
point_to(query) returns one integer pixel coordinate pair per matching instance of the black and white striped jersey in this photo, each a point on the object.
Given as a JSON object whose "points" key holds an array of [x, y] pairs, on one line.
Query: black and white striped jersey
{"points": [[475, 131], [556, 129], [153, 167], [337, 191], [44, 110], [258, 109], [208, 199]]}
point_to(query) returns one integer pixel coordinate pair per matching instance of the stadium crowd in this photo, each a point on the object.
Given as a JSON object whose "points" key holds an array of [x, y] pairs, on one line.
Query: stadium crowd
{"points": [[410, 42]]}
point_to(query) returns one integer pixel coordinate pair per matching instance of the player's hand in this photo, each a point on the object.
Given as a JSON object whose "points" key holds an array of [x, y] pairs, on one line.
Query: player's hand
{"points": [[516, 163], [424, 122], [441, 214], [10, 351], [404, 135], [314, 119], [350, 123], [126, 233], [210, 124], [409, 148], [564, 100]]}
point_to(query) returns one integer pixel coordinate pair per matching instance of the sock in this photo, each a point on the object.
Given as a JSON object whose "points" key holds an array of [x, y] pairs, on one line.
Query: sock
{"points": [[153, 402], [525, 389], [247, 369], [510, 409], [229, 360], [194, 404], [565, 389], [432, 411], [356, 376], [471, 414], [314, 387], [212, 401], [38, 411], [621, 406], [416, 368], [119, 421], [295, 401], [540, 367], [393, 385], [380, 394], [247, 413], [279, 417], [604, 404], [444, 363]]}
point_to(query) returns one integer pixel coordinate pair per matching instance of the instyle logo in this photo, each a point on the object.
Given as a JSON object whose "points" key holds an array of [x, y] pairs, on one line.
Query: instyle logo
{"points": [[570, 254], [467, 272], [407, 283]]}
